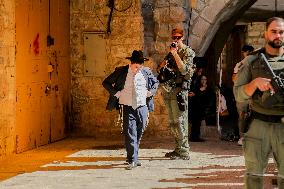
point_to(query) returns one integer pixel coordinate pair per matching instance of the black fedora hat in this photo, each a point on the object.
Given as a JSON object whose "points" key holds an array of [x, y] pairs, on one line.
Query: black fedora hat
{"points": [[137, 57]]}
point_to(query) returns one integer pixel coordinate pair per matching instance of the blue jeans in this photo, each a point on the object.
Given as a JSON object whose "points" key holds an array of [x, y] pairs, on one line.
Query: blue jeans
{"points": [[134, 124]]}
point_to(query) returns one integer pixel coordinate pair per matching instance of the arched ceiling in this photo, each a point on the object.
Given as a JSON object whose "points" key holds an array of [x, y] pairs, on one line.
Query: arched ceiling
{"points": [[262, 10]]}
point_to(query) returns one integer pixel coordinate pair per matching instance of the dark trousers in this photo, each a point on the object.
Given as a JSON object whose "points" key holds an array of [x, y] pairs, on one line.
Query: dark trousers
{"points": [[134, 124], [195, 127]]}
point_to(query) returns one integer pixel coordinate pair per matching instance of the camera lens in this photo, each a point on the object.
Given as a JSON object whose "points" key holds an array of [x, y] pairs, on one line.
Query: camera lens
{"points": [[173, 45]]}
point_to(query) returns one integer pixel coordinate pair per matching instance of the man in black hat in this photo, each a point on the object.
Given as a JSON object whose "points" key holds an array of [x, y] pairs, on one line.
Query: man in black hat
{"points": [[131, 89]]}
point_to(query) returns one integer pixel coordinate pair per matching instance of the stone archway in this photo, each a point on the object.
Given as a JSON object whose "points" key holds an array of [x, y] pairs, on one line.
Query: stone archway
{"points": [[201, 23], [214, 17]]}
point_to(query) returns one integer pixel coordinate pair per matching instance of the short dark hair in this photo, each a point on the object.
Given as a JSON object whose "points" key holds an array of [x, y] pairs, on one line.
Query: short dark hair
{"points": [[270, 20], [247, 48]]}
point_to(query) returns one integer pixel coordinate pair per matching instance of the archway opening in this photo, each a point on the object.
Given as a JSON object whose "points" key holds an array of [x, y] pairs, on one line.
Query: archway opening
{"points": [[245, 26]]}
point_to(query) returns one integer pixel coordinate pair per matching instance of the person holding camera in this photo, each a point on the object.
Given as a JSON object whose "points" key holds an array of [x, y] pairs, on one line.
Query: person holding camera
{"points": [[179, 63]]}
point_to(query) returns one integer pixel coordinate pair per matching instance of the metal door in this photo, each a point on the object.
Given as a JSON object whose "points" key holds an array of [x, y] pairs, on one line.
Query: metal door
{"points": [[40, 66]]}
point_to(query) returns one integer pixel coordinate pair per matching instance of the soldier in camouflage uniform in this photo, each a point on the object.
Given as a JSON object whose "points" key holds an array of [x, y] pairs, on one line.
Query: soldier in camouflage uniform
{"points": [[266, 131], [175, 94]]}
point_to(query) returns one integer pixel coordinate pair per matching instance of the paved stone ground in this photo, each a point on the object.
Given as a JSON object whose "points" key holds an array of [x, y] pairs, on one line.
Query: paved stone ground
{"points": [[77, 163]]}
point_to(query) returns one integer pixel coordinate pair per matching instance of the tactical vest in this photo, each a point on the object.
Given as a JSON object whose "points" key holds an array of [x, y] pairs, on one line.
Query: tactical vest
{"points": [[265, 102], [177, 79]]}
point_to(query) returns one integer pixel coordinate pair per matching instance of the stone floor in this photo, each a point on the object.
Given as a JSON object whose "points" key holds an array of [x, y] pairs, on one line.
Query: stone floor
{"points": [[76, 163]]}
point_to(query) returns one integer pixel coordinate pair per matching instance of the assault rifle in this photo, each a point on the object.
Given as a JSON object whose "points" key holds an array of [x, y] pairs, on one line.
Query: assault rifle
{"points": [[277, 83], [277, 79]]}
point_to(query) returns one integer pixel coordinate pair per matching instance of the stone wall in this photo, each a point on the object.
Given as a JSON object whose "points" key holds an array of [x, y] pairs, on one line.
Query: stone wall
{"points": [[168, 15], [255, 34], [148, 7], [89, 98], [203, 18], [7, 77]]}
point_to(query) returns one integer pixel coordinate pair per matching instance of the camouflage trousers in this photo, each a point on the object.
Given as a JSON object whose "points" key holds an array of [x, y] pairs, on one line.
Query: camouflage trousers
{"points": [[261, 139], [178, 120]]}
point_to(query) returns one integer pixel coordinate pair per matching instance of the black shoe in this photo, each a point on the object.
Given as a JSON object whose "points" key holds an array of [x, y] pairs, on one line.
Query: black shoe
{"points": [[169, 154], [131, 166], [178, 156]]}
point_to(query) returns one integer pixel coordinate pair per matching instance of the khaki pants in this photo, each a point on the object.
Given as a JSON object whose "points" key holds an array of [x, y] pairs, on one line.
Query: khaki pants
{"points": [[261, 139], [178, 120]]}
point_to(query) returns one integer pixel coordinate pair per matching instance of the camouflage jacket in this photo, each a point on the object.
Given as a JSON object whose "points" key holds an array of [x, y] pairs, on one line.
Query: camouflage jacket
{"points": [[186, 72]]}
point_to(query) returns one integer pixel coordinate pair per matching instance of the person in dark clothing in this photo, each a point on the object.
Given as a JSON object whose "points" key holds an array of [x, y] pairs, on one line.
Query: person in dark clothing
{"points": [[194, 84], [203, 104]]}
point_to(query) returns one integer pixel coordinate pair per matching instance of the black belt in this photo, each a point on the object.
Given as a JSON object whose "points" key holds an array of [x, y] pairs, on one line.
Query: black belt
{"points": [[266, 118]]}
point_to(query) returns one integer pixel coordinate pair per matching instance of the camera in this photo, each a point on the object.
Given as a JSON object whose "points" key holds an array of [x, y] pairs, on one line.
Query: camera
{"points": [[171, 61], [174, 44], [168, 71]]}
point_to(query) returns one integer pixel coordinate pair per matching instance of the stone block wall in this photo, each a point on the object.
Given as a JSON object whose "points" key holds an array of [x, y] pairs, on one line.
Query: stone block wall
{"points": [[168, 15], [7, 77], [207, 16], [89, 98], [255, 34]]}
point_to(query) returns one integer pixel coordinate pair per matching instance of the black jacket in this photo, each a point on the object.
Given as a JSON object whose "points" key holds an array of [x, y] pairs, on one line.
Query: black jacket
{"points": [[115, 82]]}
